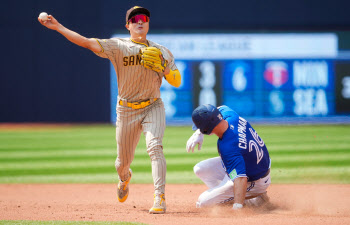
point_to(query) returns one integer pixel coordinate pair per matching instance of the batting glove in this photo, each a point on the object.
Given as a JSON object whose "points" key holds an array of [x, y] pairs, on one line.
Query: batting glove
{"points": [[196, 138], [237, 206]]}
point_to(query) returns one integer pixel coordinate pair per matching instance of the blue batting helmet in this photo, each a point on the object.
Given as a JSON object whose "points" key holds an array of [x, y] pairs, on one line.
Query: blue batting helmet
{"points": [[206, 117]]}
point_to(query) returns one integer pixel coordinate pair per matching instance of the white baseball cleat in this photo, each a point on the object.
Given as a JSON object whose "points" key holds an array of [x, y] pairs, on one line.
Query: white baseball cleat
{"points": [[159, 206]]}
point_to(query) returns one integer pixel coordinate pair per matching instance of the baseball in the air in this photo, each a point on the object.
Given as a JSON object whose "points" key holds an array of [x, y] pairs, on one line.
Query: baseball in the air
{"points": [[43, 16]]}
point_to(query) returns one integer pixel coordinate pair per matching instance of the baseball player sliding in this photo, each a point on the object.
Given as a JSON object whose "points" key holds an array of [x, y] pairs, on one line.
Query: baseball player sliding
{"points": [[242, 172], [140, 65]]}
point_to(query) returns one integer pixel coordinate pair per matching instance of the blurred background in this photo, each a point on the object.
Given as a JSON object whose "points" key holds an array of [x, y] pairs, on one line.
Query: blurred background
{"points": [[269, 60]]}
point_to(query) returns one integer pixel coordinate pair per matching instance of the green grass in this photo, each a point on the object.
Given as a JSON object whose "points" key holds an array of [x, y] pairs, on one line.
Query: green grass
{"points": [[86, 154]]}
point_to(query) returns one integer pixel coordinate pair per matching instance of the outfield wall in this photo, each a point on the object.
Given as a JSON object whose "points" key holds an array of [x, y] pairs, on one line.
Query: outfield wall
{"points": [[45, 78], [282, 76]]}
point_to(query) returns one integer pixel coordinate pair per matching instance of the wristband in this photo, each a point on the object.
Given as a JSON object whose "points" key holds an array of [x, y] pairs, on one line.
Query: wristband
{"points": [[237, 206]]}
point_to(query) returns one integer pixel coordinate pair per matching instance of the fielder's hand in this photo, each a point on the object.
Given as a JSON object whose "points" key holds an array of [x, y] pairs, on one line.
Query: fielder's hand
{"points": [[50, 23], [152, 58], [196, 138]]}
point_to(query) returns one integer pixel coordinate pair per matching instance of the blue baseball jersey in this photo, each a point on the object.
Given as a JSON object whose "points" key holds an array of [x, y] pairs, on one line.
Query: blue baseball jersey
{"points": [[242, 151]]}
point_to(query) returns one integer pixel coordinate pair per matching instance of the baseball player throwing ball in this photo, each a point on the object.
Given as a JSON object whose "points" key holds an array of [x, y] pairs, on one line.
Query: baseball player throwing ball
{"points": [[242, 172], [140, 65]]}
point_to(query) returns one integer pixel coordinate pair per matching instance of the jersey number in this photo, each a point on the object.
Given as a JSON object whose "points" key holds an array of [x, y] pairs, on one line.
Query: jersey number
{"points": [[254, 144]]}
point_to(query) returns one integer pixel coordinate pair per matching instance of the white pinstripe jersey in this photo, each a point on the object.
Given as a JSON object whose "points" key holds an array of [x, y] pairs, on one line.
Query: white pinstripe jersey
{"points": [[135, 82]]}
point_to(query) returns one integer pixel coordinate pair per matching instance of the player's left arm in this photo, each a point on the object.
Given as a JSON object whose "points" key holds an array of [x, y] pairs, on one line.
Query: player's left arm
{"points": [[173, 77], [171, 73]]}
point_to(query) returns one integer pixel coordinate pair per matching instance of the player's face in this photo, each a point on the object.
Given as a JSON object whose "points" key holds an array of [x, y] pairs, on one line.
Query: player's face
{"points": [[138, 25]]}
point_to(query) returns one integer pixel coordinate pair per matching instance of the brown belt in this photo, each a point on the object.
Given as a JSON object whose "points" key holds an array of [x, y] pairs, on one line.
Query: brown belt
{"points": [[137, 105]]}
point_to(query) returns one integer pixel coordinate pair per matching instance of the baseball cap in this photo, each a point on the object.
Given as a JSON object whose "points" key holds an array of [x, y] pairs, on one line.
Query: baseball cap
{"points": [[205, 118], [135, 11]]}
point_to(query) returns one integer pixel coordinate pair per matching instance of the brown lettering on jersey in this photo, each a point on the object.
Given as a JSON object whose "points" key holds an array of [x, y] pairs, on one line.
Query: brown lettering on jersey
{"points": [[131, 60], [138, 59], [125, 60]]}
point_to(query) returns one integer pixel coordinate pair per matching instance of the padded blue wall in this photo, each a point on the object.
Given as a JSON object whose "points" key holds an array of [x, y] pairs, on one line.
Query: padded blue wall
{"points": [[45, 78]]}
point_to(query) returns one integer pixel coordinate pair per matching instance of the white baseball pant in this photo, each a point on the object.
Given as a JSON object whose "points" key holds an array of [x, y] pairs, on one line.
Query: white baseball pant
{"points": [[220, 186]]}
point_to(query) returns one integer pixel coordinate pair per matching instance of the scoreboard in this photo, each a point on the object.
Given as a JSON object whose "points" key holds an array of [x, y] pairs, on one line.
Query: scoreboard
{"points": [[262, 75]]}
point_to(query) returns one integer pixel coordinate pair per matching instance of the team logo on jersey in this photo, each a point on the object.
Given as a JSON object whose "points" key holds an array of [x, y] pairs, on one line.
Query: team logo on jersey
{"points": [[232, 127], [220, 117], [233, 174], [276, 73]]}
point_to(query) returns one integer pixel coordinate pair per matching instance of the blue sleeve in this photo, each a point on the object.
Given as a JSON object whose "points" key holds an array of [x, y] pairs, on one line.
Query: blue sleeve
{"points": [[234, 164]]}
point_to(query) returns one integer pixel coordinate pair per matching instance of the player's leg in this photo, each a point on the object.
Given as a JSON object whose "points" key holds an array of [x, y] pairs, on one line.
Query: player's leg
{"points": [[210, 171], [218, 195], [153, 128], [128, 131], [257, 201], [223, 193], [256, 192]]}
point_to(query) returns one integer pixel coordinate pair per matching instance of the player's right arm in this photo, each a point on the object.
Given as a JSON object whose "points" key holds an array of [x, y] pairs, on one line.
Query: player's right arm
{"points": [[196, 138], [240, 190], [236, 170], [72, 36]]}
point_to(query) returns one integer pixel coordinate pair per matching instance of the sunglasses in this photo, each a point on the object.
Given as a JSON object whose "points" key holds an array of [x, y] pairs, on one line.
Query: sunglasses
{"points": [[135, 19]]}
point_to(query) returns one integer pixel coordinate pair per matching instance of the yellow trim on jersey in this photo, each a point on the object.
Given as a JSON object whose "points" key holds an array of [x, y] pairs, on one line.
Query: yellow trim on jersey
{"points": [[100, 46], [174, 78], [138, 42]]}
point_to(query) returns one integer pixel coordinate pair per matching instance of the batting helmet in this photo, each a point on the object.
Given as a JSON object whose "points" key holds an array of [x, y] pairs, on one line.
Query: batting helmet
{"points": [[206, 117]]}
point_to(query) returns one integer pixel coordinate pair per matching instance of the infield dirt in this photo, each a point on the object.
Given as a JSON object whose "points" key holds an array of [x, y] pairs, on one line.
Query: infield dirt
{"points": [[290, 204]]}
